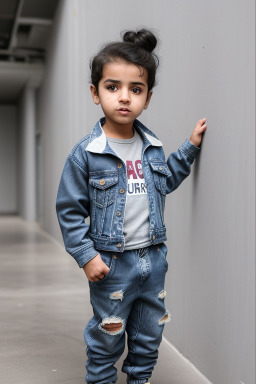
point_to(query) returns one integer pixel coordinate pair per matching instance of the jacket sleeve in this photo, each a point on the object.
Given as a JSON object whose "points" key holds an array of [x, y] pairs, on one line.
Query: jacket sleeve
{"points": [[73, 207], [179, 164]]}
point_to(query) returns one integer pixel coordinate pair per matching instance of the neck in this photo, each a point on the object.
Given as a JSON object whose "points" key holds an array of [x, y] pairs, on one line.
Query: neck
{"points": [[118, 131]]}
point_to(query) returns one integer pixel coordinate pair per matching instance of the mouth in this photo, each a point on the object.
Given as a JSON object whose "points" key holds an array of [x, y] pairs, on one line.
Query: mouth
{"points": [[124, 111]]}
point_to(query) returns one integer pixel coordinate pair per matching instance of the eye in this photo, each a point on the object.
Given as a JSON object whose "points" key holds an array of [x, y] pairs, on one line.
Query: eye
{"points": [[136, 90], [112, 88]]}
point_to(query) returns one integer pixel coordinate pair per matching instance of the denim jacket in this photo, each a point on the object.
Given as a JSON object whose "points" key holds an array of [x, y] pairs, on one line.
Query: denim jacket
{"points": [[94, 184]]}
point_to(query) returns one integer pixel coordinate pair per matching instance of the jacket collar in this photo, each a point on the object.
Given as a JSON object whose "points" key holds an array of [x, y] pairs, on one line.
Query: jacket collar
{"points": [[98, 142]]}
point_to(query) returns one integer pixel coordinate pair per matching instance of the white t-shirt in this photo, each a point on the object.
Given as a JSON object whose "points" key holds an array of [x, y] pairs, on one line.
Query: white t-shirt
{"points": [[136, 220]]}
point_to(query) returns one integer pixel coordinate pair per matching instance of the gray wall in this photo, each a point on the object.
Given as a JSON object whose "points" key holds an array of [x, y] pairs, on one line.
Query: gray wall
{"points": [[207, 54], [27, 154], [8, 159]]}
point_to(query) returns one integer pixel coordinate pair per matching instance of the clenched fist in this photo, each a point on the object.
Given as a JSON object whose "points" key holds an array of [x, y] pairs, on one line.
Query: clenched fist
{"points": [[96, 269]]}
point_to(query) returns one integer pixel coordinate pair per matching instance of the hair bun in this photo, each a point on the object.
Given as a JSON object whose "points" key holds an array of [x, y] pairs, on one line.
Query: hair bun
{"points": [[143, 38]]}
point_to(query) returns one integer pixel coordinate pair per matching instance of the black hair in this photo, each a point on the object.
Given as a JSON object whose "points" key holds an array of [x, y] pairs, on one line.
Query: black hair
{"points": [[136, 48]]}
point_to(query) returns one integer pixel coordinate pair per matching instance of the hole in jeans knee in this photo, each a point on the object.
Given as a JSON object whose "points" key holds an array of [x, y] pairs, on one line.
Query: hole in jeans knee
{"points": [[112, 325]]}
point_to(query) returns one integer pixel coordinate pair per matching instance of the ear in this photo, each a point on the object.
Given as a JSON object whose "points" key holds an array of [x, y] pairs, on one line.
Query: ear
{"points": [[94, 93], [148, 99]]}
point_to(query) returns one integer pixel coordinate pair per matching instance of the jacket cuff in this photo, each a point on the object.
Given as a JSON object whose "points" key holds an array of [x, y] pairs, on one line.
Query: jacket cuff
{"points": [[86, 254], [189, 149]]}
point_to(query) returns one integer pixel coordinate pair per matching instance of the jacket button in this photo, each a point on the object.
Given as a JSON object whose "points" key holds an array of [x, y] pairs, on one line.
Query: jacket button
{"points": [[153, 237], [102, 182], [121, 190], [118, 213], [119, 245], [119, 165]]}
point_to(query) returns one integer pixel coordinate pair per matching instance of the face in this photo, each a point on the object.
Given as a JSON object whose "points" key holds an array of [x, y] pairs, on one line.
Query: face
{"points": [[122, 92]]}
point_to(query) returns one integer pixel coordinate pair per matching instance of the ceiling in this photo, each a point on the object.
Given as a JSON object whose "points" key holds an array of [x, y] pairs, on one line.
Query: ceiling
{"points": [[25, 27]]}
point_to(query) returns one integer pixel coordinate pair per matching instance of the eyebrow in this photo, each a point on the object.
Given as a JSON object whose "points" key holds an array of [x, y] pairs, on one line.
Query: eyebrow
{"points": [[118, 82]]}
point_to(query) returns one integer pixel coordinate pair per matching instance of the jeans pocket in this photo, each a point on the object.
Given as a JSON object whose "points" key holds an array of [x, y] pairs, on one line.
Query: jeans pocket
{"points": [[109, 259], [163, 252]]}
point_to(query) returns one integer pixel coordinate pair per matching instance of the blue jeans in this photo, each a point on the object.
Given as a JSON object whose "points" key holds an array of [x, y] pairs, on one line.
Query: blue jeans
{"points": [[131, 296]]}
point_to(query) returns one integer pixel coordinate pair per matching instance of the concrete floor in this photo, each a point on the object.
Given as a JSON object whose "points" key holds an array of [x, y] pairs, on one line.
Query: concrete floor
{"points": [[44, 309]]}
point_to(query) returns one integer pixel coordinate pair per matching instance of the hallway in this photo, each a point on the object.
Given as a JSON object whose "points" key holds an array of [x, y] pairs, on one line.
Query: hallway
{"points": [[44, 308]]}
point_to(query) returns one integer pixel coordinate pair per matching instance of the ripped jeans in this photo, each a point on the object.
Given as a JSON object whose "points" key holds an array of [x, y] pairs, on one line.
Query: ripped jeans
{"points": [[130, 298]]}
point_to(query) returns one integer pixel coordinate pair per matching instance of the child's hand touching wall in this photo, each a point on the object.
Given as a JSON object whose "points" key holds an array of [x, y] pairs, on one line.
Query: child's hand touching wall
{"points": [[197, 133], [96, 269]]}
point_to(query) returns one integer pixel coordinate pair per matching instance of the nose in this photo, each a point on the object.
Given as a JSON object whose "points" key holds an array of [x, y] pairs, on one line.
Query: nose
{"points": [[124, 95]]}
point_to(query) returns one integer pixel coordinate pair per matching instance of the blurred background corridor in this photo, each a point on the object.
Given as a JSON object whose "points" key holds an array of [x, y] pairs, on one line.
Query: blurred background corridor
{"points": [[207, 69]]}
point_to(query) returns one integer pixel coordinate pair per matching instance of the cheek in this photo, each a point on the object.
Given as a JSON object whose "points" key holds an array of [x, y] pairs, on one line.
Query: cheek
{"points": [[141, 103], [105, 99], [107, 96], [108, 102]]}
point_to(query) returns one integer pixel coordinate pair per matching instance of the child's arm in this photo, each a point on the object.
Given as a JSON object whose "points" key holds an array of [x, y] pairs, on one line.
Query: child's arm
{"points": [[179, 162], [72, 206]]}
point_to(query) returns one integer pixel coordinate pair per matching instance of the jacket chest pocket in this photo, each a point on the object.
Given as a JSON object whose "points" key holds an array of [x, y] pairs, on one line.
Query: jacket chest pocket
{"points": [[103, 190], [160, 172]]}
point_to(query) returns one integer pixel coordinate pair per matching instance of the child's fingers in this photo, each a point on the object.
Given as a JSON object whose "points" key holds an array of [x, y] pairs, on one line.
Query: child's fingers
{"points": [[201, 126], [200, 123], [105, 270], [202, 129], [101, 276]]}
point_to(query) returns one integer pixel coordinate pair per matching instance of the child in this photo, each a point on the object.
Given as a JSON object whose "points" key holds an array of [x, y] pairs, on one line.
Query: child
{"points": [[118, 176]]}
